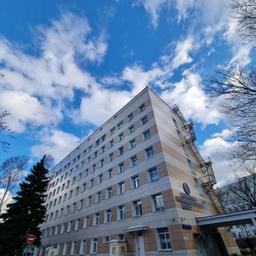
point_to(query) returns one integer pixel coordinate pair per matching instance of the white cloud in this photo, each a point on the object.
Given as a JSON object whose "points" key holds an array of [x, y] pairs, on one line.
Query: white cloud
{"points": [[141, 78], [49, 79], [183, 7], [218, 149], [182, 51], [192, 100], [26, 109], [56, 143], [240, 51], [100, 104], [153, 7]]}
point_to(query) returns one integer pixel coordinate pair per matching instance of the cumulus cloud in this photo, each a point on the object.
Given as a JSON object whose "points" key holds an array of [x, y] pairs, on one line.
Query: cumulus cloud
{"points": [[26, 109], [188, 94], [50, 78], [140, 78], [182, 51], [218, 149], [100, 104], [56, 143]]}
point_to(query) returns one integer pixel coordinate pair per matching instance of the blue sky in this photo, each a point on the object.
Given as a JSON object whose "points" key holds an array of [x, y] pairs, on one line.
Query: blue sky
{"points": [[67, 66]]}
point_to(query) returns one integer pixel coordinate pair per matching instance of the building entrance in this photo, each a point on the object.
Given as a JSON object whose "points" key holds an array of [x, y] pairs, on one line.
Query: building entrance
{"points": [[140, 249]]}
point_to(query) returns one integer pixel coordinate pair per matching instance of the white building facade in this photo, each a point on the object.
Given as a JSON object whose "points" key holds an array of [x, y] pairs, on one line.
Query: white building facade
{"points": [[132, 188]]}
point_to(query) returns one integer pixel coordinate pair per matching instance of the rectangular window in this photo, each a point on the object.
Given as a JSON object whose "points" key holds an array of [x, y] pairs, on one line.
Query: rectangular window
{"points": [[137, 208], [121, 167], [153, 174], [112, 130], [158, 202], [121, 136], [111, 143], [84, 186], [134, 160], [98, 197], [121, 151], [74, 207], [89, 202], [164, 238], [103, 137], [132, 143], [109, 192], [81, 204], [108, 216], [130, 117], [142, 107], [96, 219], [77, 224], [121, 188], [149, 152], [94, 245], [144, 120], [102, 149], [119, 125], [101, 162], [121, 212], [91, 183], [83, 247], [65, 246], [110, 172], [106, 239], [111, 157], [121, 237], [136, 181], [70, 193], [101, 178], [69, 226], [77, 190], [86, 222], [146, 134], [131, 129]]}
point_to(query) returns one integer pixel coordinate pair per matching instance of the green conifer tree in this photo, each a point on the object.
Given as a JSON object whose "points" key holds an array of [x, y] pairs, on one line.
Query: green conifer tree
{"points": [[26, 213]]}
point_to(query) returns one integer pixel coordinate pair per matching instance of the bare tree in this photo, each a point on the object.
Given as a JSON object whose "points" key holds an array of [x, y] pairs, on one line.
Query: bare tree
{"points": [[241, 194], [237, 92], [237, 87], [244, 12], [4, 129], [11, 171], [244, 188]]}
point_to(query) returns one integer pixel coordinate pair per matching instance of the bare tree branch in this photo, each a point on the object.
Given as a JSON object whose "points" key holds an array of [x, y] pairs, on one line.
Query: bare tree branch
{"points": [[244, 12], [10, 173], [236, 90], [4, 129]]}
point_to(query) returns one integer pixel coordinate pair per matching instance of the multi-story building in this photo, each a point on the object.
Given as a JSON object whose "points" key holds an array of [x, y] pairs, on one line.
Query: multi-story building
{"points": [[133, 187]]}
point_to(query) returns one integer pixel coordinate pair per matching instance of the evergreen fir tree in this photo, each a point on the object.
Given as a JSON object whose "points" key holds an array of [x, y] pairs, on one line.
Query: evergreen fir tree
{"points": [[26, 213]]}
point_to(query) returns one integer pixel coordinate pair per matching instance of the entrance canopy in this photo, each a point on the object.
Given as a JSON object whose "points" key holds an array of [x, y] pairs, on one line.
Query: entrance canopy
{"points": [[228, 219], [135, 229]]}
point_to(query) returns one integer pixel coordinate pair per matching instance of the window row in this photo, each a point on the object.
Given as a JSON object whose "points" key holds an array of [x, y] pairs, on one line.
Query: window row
{"points": [[91, 246], [100, 140], [153, 175], [149, 153], [107, 216]]}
